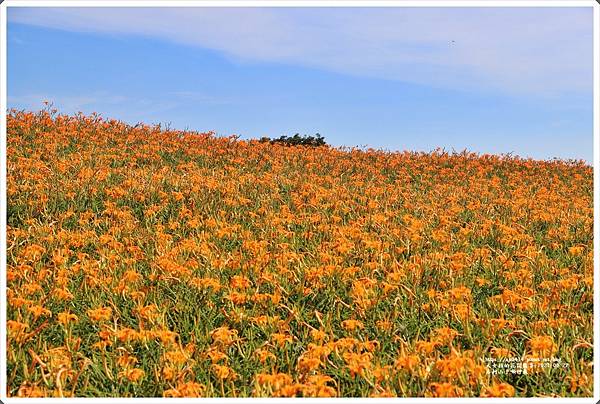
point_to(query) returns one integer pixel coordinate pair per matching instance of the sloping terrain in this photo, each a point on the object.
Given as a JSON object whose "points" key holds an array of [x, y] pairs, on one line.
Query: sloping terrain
{"points": [[147, 262]]}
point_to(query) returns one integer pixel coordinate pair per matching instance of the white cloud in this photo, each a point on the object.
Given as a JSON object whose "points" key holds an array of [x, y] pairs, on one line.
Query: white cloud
{"points": [[115, 104], [35, 102], [73, 103], [531, 51]]}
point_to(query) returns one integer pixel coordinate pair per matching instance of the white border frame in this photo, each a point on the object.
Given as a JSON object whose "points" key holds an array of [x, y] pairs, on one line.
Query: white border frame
{"points": [[296, 3], [299, 3]]}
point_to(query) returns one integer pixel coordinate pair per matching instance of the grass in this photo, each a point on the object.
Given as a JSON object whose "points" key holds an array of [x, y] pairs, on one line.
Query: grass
{"points": [[145, 262]]}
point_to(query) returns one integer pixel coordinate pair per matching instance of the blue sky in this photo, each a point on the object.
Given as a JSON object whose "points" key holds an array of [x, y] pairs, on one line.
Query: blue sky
{"points": [[511, 80]]}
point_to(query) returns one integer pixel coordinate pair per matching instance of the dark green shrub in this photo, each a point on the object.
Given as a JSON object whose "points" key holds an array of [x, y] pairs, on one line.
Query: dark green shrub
{"points": [[297, 140]]}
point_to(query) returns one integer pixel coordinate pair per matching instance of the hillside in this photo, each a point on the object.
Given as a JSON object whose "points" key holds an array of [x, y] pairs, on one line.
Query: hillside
{"points": [[149, 262]]}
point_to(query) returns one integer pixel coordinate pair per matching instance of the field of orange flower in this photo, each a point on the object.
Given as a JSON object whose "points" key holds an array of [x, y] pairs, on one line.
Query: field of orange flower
{"points": [[152, 262]]}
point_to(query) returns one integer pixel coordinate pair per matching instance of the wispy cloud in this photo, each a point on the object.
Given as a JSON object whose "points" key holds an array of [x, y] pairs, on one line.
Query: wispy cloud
{"points": [[15, 40], [36, 101], [71, 103], [530, 51], [128, 107]]}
